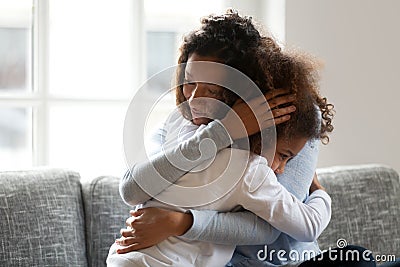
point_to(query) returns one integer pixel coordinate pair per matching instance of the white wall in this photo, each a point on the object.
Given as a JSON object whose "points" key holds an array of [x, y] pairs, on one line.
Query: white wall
{"points": [[359, 41], [270, 13]]}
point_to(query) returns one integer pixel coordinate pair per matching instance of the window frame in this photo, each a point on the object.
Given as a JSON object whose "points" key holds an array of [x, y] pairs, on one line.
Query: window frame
{"points": [[39, 99]]}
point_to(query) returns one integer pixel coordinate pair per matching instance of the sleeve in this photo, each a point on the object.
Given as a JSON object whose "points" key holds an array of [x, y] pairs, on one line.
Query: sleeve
{"points": [[239, 228], [262, 194], [156, 174], [246, 228]]}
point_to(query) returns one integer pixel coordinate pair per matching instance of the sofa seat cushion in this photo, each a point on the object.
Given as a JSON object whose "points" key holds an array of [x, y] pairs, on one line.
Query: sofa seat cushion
{"points": [[41, 219]]}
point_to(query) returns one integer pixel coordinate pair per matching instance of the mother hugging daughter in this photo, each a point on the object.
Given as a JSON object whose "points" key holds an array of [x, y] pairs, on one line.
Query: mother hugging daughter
{"points": [[263, 203]]}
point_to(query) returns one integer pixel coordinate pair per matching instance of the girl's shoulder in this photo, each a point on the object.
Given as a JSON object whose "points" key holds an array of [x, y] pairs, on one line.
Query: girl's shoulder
{"points": [[258, 173], [258, 160], [252, 160], [175, 120]]}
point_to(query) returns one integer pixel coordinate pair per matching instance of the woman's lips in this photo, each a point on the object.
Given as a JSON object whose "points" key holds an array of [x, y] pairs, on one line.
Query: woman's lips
{"points": [[195, 110], [196, 113]]}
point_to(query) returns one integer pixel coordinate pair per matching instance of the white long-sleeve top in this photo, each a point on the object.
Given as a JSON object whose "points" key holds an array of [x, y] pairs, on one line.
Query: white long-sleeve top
{"points": [[247, 181]]}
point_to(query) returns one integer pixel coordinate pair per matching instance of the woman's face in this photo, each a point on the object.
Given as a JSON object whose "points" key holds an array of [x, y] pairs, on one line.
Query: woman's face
{"points": [[204, 96]]}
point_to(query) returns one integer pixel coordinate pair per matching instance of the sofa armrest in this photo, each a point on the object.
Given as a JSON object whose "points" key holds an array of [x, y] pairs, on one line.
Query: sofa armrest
{"points": [[365, 207], [41, 218]]}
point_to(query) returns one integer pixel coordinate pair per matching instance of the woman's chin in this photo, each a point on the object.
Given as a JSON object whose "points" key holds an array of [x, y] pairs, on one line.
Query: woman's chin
{"points": [[200, 121]]}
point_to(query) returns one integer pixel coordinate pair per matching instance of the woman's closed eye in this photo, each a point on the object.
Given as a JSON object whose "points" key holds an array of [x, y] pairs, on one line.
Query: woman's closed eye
{"points": [[188, 82], [213, 91]]}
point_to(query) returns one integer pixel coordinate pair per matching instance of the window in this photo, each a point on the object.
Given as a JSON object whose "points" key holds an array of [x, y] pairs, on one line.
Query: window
{"points": [[165, 23], [15, 82], [69, 69], [91, 82], [67, 75]]}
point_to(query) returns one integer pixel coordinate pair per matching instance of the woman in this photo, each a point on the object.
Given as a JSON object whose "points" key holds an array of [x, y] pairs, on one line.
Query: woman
{"points": [[251, 191], [240, 219]]}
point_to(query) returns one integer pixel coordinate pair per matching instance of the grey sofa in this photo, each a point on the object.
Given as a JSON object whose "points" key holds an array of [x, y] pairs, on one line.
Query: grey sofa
{"points": [[49, 218]]}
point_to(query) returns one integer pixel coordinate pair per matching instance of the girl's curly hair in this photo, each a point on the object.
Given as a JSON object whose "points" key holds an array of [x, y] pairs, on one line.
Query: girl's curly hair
{"points": [[235, 41], [300, 72]]}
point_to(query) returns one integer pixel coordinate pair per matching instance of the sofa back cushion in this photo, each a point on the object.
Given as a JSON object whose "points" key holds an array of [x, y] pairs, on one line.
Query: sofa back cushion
{"points": [[106, 214], [41, 219], [365, 208]]}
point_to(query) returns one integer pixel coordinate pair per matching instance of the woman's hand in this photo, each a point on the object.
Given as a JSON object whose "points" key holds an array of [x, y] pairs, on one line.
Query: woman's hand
{"points": [[315, 185], [150, 226], [243, 111]]}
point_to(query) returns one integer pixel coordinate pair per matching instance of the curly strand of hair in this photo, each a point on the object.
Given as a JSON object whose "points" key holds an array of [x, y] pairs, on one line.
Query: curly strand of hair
{"points": [[328, 112]]}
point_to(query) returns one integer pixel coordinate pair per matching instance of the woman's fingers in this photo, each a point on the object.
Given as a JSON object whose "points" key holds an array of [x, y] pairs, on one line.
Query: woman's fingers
{"points": [[132, 247], [274, 102], [275, 117], [268, 96], [247, 118], [132, 243], [262, 114], [281, 100], [127, 249], [277, 92], [136, 213], [129, 244], [127, 232], [130, 221], [281, 119], [126, 241], [278, 112], [135, 217], [253, 103], [146, 227]]}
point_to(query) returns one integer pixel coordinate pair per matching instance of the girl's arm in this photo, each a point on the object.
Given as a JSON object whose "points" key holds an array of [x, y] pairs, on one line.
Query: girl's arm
{"points": [[152, 173], [216, 227], [262, 194], [242, 228]]}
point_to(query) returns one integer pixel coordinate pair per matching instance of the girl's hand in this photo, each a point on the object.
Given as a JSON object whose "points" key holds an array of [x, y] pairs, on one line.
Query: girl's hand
{"points": [[315, 185], [242, 111], [150, 226]]}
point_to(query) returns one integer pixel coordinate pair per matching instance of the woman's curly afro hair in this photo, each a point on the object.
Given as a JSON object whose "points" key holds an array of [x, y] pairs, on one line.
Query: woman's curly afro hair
{"points": [[235, 41]]}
